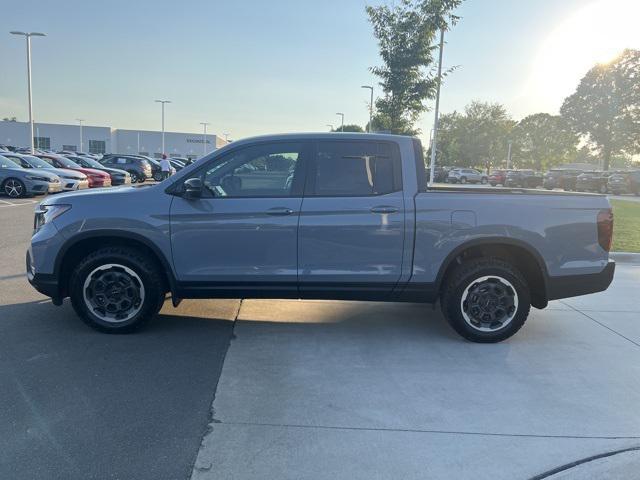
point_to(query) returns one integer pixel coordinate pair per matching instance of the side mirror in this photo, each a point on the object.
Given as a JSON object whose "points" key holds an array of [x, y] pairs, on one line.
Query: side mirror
{"points": [[192, 188]]}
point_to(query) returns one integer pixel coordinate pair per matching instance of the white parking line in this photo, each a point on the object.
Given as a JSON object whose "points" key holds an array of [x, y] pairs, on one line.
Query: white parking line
{"points": [[6, 203]]}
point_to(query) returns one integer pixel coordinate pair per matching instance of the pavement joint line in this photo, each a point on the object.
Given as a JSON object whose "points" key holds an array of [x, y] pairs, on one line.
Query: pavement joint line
{"points": [[211, 420], [440, 432], [602, 324]]}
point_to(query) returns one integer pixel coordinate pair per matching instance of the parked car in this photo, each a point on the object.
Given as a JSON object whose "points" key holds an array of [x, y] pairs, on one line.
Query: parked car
{"points": [[16, 181], [139, 168], [467, 175], [118, 177], [498, 177], [71, 180], [96, 178], [322, 218], [593, 181], [561, 178], [177, 165], [624, 182], [523, 178]]}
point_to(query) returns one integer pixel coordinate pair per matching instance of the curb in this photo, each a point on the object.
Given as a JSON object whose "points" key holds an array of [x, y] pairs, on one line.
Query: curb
{"points": [[625, 257]]}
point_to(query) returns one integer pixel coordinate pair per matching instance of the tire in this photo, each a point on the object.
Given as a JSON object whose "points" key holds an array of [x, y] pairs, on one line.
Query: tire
{"points": [[463, 179], [92, 299], [157, 176], [484, 180], [135, 178], [14, 188], [479, 275], [493, 184]]}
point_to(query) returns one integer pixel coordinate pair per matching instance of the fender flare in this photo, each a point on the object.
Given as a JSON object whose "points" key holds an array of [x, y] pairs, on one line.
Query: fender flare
{"points": [[448, 261], [101, 233]]}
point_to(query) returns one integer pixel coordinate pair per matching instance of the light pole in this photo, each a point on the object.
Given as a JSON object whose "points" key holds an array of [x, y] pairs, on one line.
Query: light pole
{"points": [[342, 121], [434, 144], [163, 102], [370, 87], [28, 37], [80, 120], [509, 157], [226, 137], [204, 137], [330, 125]]}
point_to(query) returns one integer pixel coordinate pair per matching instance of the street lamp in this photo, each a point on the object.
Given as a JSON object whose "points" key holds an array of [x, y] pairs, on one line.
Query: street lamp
{"points": [[28, 37], [80, 120], [226, 137], [163, 102], [370, 106], [437, 111], [330, 125], [342, 121], [204, 137]]}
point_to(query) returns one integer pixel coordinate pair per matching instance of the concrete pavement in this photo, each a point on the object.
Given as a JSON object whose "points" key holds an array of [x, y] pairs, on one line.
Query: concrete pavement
{"points": [[346, 390]]}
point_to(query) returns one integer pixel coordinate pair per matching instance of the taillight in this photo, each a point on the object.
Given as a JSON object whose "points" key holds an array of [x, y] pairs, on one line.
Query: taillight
{"points": [[605, 228]]}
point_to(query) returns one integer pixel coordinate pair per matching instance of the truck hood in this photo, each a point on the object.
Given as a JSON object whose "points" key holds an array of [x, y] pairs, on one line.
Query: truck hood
{"points": [[106, 194]]}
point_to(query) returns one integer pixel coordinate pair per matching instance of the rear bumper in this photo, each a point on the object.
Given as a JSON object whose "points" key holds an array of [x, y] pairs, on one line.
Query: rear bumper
{"points": [[574, 285]]}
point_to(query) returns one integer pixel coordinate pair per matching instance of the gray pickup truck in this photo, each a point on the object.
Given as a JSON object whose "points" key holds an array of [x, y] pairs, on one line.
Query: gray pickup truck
{"points": [[321, 216]]}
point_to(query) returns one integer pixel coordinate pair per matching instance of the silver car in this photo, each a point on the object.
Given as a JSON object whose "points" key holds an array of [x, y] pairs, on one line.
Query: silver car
{"points": [[20, 182], [467, 175], [71, 180]]}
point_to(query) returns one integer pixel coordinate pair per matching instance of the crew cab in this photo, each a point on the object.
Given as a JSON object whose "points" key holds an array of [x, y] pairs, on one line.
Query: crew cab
{"points": [[321, 216]]}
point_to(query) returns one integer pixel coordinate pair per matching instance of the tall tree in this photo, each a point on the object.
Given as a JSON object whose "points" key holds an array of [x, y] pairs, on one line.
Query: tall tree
{"points": [[542, 141], [407, 38], [476, 137], [605, 108]]}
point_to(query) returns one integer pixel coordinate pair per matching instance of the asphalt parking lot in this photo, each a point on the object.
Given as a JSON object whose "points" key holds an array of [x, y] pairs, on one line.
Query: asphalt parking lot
{"points": [[306, 390]]}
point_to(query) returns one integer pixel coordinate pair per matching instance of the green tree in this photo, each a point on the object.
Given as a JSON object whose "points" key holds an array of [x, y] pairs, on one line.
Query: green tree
{"points": [[542, 141], [351, 127], [478, 137], [605, 107], [407, 39]]}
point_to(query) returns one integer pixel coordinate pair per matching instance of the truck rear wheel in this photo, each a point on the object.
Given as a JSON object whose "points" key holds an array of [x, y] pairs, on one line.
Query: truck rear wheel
{"points": [[116, 289], [486, 300]]}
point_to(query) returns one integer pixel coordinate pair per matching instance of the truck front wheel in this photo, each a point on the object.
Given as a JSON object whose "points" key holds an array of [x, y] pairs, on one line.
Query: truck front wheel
{"points": [[116, 289], [486, 300]]}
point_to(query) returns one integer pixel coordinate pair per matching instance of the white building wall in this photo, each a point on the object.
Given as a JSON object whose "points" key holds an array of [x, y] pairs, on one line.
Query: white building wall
{"points": [[176, 144], [17, 134], [115, 140]]}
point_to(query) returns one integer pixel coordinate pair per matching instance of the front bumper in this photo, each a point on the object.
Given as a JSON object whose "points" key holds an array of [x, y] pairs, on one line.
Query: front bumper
{"points": [[46, 284], [55, 187], [575, 285]]}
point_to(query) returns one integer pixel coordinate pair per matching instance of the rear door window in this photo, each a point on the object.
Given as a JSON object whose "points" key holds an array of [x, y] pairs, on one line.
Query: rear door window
{"points": [[354, 168]]}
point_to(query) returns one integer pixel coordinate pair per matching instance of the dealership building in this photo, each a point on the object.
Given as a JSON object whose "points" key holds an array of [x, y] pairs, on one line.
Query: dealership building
{"points": [[51, 136]]}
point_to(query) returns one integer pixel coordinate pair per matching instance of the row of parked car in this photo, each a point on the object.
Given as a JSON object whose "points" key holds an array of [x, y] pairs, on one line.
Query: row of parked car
{"points": [[24, 174], [614, 181]]}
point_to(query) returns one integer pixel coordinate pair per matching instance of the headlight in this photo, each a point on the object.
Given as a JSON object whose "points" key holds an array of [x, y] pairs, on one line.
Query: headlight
{"points": [[46, 213], [36, 178]]}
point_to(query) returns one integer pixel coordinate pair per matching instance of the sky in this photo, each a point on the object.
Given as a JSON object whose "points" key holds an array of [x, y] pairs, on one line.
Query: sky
{"points": [[257, 67]]}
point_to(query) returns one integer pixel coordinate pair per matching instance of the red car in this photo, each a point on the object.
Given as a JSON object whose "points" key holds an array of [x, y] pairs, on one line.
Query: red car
{"points": [[96, 178], [498, 177]]}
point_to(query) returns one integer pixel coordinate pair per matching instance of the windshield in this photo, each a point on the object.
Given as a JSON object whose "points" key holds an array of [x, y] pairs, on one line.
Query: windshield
{"points": [[67, 163], [37, 162], [7, 163], [88, 162]]}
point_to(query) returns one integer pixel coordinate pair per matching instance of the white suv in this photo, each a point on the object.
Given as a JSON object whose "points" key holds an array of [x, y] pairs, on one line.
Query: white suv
{"points": [[466, 175]]}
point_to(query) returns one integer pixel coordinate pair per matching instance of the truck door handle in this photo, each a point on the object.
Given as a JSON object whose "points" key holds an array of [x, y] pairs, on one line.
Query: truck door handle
{"points": [[279, 211], [384, 209]]}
